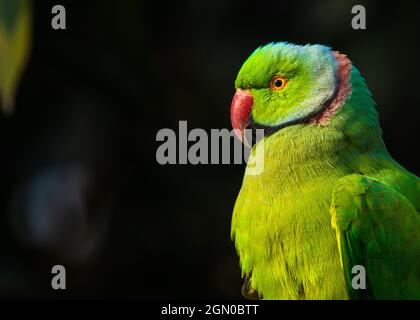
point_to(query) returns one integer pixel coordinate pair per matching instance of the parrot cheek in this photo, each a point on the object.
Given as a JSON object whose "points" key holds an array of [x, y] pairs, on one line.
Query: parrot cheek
{"points": [[240, 111]]}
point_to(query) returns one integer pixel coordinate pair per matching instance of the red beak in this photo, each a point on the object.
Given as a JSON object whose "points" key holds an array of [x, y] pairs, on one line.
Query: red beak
{"points": [[240, 111]]}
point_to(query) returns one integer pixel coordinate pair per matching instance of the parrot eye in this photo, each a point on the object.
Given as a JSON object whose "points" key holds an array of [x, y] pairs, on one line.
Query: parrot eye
{"points": [[278, 83]]}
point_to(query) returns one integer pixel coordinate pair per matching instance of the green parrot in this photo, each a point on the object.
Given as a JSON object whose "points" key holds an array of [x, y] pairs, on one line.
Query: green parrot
{"points": [[330, 200]]}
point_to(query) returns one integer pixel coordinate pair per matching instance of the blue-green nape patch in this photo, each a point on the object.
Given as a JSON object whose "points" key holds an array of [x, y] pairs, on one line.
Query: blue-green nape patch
{"points": [[311, 74]]}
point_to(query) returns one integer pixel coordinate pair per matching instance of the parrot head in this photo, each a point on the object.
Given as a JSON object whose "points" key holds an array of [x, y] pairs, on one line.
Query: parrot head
{"points": [[282, 84]]}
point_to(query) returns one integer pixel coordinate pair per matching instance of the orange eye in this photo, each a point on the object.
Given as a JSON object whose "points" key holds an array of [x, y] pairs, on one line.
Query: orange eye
{"points": [[278, 83]]}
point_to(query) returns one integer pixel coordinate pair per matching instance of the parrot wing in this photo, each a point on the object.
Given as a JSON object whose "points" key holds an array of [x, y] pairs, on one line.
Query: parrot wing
{"points": [[377, 228]]}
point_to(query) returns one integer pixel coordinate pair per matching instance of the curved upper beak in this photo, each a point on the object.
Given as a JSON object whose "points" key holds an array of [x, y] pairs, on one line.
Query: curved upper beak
{"points": [[240, 111]]}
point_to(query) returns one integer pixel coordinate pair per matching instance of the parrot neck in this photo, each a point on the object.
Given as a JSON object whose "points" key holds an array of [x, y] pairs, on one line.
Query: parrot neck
{"points": [[318, 147], [343, 90]]}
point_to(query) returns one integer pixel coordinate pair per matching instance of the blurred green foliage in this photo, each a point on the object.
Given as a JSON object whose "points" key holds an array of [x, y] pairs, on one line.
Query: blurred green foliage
{"points": [[15, 38]]}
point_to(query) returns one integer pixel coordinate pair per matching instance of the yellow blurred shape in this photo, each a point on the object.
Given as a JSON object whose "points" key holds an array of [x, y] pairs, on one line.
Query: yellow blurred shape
{"points": [[15, 39]]}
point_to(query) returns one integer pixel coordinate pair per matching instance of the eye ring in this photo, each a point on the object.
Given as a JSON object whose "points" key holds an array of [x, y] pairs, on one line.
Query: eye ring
{"points": [[278, 83]]}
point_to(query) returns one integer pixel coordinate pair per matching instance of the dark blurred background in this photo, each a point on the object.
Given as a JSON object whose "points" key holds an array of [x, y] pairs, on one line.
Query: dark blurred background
{"points": [[80, 185]]}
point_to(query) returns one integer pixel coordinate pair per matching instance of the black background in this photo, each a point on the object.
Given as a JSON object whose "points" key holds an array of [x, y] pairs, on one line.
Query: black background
{"points": [[91, 102]]}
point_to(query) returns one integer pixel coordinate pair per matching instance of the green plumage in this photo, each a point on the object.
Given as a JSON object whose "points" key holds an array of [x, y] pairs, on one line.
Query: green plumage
{"points": [[330, 196]]}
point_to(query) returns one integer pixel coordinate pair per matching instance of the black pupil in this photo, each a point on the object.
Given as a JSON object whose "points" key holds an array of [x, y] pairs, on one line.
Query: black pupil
{"points": [[278, 83]]}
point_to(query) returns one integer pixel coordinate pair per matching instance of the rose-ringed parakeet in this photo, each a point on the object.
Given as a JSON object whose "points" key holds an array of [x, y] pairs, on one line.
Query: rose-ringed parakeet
{"points": [[330, 196]]}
